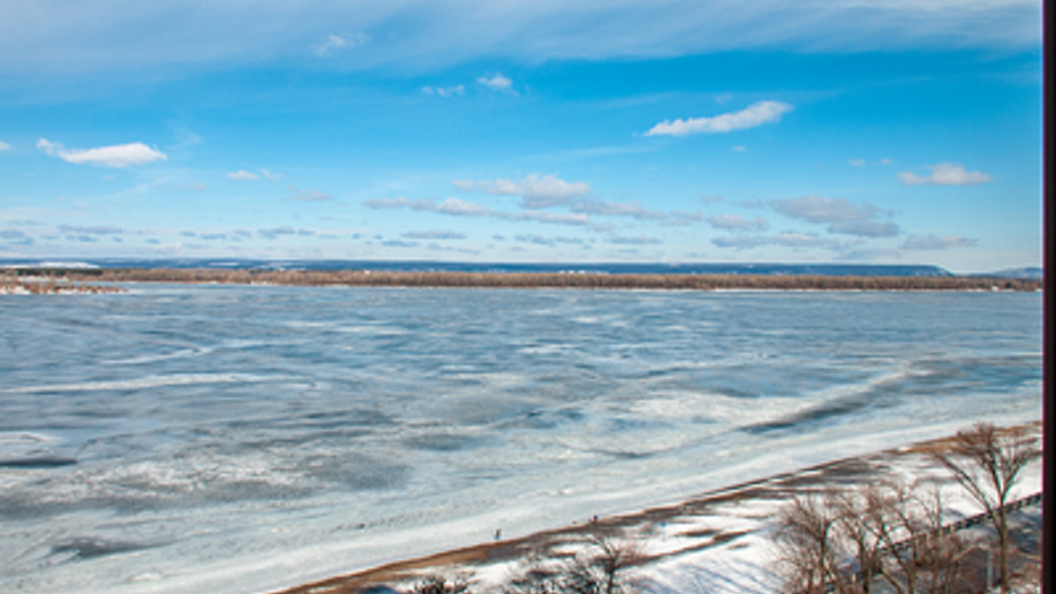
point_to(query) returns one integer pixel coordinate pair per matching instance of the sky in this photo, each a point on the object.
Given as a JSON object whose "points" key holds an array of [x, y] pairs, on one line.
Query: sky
{"points": [[674, 131]]}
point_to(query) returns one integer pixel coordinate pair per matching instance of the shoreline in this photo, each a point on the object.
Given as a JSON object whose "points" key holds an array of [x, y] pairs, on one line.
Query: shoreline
{"points": [[51, 286], [520, 280], [731, 520]]}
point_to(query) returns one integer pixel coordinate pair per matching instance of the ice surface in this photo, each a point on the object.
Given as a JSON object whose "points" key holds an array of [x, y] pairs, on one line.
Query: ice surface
{"points": [[239, 439]]}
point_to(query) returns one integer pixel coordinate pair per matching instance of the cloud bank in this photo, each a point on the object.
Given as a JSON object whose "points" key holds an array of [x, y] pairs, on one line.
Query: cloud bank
{"points": [[56, 35]]}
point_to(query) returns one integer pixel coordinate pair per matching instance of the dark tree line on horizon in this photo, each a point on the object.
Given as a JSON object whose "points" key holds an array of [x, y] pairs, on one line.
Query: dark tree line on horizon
{"points": [[514, 280]]}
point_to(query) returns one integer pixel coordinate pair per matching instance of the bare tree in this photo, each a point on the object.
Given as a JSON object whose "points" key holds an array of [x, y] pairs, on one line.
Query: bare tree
{"points": [[596, 570], [810, 547], [918, 555], [987, 462], [438, 584], [864, 521], [610, 558], [845, 541]]}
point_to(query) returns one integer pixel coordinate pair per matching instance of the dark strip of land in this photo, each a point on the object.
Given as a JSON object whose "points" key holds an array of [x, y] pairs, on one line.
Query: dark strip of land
{"points": [[695, 282]]}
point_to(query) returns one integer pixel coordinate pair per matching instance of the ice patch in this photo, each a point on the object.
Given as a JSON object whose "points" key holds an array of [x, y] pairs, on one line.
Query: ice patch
{"points": [[148, 382]]}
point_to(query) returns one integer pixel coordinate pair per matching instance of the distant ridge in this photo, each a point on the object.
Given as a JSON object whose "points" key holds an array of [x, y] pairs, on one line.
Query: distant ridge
{"points": [[760, 268], [1018, 273]]}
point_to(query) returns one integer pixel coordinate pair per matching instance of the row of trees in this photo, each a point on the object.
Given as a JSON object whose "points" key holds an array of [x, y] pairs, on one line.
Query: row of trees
{"points": [[556, 280], [896, 534]]}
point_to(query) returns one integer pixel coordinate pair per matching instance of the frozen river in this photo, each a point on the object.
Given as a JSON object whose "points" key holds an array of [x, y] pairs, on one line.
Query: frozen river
{"points": [[242, 438]]}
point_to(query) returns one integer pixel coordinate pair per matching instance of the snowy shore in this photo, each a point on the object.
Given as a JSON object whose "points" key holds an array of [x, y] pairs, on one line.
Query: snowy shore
{"points": [[718, 542]]}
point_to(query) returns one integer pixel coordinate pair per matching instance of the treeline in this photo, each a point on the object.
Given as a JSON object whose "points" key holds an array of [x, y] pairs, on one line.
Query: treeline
{"points": [[371, 278], [889, 536]]}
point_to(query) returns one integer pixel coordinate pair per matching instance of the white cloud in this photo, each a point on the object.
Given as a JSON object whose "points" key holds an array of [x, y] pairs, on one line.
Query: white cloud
{"points": [[465, 208], [709, 199], [463, 184], [757, 114], [92, 230], [679, 217], [932, 242], [400, 244], [636, 240], [857, 162], [741, 242], [312, 196], [276, 232], [399, 202], [15, 237], [886, 161], [434, 235], [865, 228], [617, 209], [302, 195], [454, 206], [445, 91], [4, 146], [451, 206], [548, 241], [817, 209], [800, 240], [739, 149], [269, 175], [549, 217], [333, 43], [242, 174], [736, 221], [535, 191], [497, 82], [945, 174], [117, 156], [789, 239]]}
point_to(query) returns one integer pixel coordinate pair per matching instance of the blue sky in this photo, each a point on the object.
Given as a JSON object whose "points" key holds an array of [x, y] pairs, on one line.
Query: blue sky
{"points": [[873, 131]]}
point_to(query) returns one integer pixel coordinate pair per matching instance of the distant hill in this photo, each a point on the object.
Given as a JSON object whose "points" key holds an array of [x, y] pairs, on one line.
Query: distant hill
{"points": [[1018, 273]]}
